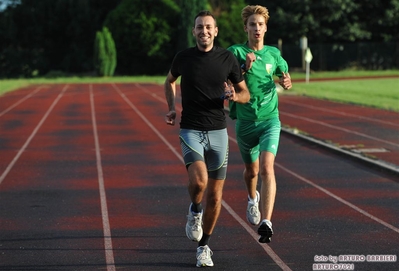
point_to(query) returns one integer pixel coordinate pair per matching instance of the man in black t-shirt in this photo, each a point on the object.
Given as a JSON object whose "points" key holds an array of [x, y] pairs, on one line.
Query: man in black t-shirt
{"points": [[205, 70]]}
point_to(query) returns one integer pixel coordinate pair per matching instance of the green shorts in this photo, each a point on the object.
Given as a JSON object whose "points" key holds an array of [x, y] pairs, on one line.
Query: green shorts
{"points": [[253, 137]]}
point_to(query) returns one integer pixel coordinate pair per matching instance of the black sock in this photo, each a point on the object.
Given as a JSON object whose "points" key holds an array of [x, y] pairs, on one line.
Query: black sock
{"points": [[196, 208], [204, 240]]}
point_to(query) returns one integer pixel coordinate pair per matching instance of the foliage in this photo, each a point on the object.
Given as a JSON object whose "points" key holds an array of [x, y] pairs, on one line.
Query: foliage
{"points": [[332, 21], [100, 58], [188, 10], [143, 34], [381, 18], [230, 24], [37, 37], [104, 53], [53, 35]]}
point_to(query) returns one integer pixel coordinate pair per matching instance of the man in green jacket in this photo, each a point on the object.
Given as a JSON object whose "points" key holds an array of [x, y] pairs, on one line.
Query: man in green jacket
{"points": [[258, 125]]}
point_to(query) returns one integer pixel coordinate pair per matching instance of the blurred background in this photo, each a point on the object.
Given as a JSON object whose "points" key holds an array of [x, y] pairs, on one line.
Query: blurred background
{"points": [[51, 38]]}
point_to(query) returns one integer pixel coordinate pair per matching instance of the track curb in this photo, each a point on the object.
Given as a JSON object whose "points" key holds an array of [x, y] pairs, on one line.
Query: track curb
{"points": [[375, 162]]}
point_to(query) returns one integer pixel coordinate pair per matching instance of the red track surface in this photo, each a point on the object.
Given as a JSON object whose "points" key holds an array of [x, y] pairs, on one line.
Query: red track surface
{"points": [[367, 132], [91, 178]]}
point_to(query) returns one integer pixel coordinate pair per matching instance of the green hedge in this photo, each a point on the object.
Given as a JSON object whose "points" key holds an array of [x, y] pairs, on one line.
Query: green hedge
{"points": [[104, 53]]}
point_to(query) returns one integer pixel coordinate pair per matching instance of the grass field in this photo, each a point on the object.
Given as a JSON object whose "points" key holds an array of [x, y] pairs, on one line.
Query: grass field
{"points": [[381, 93]]}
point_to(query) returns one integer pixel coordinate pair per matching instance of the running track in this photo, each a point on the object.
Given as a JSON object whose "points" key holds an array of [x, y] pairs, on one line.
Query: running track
{"points": [[91, 178]]}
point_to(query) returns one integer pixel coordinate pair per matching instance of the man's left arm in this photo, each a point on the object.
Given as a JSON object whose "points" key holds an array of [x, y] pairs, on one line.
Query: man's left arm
{"points": [[285, 80], [283, 74]]}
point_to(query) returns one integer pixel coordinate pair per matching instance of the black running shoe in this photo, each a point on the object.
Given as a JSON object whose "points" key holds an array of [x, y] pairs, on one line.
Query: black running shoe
{"points": [[265, 231]]}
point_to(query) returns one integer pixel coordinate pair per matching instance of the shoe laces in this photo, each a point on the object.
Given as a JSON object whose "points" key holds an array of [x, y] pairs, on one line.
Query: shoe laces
{"points": [[195, 221], [205, 253]]}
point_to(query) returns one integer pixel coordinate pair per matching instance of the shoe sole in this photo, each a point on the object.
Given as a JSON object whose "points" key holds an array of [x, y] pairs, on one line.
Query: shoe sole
{"points": [[265, 235], [204, 265]]}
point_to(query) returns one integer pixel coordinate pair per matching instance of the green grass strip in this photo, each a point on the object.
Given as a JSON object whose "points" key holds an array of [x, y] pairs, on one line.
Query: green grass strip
{"points": [[380, 93]]}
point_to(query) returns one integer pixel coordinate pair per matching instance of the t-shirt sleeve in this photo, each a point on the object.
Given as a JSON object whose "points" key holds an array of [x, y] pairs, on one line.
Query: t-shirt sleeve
{"points": [[174, 69], [282, 65], [235, 75]]}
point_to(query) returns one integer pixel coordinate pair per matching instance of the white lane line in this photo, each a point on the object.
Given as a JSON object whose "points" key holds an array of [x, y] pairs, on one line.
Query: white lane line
{"points": [[9, 167], [147, 122], [318, 187], [255, 236], [339, 128], [363, 212], [335, 196], [340, 113], [265, 247], [21, 100], [109, 254]]}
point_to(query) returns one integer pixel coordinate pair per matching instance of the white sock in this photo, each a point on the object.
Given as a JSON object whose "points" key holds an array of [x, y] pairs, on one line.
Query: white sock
{"points": [[268, 222], [253, 200]]}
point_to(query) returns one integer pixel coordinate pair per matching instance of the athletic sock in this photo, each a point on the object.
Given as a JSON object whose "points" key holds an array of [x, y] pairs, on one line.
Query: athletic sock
{"points": [[204, 240], [196, 208], [268, 222], [253, 200]]}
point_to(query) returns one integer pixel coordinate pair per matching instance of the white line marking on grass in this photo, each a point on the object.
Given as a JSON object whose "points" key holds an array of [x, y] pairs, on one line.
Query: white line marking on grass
{"points": [[109, 254], [21, 100], [265, 247], [9, 167]]}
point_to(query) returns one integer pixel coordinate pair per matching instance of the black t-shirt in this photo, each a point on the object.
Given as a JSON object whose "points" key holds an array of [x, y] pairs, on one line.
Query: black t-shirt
{"points": [[202, 84]]}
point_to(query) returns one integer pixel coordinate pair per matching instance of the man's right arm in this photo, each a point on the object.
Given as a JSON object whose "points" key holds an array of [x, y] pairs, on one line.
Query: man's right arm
{"points": [[170, 94], [170, 91]]}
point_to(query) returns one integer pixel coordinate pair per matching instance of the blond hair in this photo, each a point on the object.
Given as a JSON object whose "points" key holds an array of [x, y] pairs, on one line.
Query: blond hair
{"points": [[251, 10]]}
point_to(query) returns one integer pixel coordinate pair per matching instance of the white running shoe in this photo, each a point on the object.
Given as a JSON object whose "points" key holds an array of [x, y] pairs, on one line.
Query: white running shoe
{"points": [[194, 226], [204, 256], [253, 214]]}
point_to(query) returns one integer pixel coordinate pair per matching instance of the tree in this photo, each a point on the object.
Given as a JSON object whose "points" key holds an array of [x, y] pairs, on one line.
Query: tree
{"points": [[144, 33], [230, 24], [54, 35], [58, 35], [381, 18], [104, 53], [188, 10], [332, 21]]}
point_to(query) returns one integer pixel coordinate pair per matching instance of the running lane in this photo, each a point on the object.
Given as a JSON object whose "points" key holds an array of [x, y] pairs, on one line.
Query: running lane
{"points": [[50, 214], [330, 180], [363, 131], [101, 185]]}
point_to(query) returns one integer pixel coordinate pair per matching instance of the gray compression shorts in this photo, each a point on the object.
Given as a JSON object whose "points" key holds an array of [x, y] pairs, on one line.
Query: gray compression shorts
{"points": [[212, 147]]}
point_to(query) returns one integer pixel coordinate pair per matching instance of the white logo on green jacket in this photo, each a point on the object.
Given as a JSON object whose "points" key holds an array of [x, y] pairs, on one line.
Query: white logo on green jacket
{"points": [[269, 68]]}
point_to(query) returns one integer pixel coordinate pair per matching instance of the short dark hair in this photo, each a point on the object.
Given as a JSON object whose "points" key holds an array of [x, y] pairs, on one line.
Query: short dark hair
{"points": [[204, 13]]}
